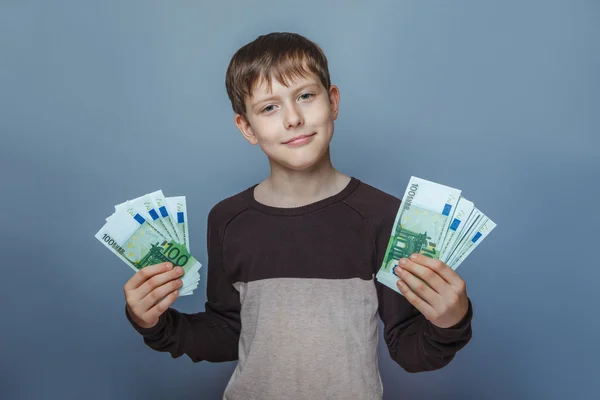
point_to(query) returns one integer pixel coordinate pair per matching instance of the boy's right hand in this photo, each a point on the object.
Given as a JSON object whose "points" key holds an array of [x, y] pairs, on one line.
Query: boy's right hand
{"points": [[151, 291]]}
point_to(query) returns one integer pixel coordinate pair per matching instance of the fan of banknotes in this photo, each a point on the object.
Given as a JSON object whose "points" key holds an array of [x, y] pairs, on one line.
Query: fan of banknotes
{"points": [[149, 230], [434, 220]]}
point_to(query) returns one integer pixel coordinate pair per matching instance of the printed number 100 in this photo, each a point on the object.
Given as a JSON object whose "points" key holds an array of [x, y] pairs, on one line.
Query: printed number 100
{"points": [[173, 255]]}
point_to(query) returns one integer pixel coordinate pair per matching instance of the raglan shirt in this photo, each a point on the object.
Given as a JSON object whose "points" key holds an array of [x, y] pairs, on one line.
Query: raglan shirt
{"points": [[292, 296]]}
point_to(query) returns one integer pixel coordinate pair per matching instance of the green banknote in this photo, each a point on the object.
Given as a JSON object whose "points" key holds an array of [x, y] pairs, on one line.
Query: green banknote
{"points": [[420, 227], [460, 219], [473, 223], [137, 243], [179, 207], [147, 208], [472, 240], [166, 214]]}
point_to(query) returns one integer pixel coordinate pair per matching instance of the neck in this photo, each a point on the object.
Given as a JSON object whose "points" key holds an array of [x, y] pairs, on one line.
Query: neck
{"points": [[289, 188]]}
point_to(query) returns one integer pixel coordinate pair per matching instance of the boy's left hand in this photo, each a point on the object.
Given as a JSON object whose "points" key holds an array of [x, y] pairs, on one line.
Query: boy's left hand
{"points": [[443, 300]]}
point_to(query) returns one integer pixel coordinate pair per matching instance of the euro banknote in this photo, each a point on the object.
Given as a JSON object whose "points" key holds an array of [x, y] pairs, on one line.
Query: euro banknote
{"points": [[435, 220], [151, 229], [178, 206]]}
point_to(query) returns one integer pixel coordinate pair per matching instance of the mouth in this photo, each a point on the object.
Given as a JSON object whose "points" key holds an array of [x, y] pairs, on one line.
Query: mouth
{"points": [[300, 139]]}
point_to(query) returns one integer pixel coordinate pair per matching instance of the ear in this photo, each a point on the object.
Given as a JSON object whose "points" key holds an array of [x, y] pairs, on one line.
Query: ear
{"points": [[244, 126], [334, 100]]}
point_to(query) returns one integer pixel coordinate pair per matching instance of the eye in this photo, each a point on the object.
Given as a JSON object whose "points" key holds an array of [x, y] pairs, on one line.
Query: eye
{"points": [[302, 96], [266, 109]]}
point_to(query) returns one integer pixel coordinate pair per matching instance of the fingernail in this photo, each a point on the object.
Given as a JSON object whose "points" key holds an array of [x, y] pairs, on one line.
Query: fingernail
{"points": [[169, 265], [403, 261], [179, 270], [413, 257]]}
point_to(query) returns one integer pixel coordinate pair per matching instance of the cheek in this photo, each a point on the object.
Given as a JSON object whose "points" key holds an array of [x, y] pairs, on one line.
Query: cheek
{"points": [[266, 131], [320, 115]]}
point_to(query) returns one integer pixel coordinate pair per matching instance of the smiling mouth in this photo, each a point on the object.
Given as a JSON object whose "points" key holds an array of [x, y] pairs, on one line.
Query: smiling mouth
{"points": [[300, 139]]}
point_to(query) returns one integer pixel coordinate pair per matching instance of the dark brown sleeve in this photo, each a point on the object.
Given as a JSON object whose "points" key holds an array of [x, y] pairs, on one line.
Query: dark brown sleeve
{"points": [[412, 341], [212, 335]]}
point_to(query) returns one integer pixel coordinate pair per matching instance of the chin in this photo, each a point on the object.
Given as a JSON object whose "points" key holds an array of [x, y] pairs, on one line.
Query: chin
{"points": [[302, 163], [301, 158]]}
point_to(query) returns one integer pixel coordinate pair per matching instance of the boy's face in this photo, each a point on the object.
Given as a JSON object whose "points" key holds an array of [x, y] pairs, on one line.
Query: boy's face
{"points": [[276, 117]]}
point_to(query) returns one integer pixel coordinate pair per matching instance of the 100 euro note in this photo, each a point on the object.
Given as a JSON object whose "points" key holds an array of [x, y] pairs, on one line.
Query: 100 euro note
{"points": [[471, 240], [420, 227], [179, 207], [460, 218], [147, 208], [138, 244], [166, 214], [474, 221]]}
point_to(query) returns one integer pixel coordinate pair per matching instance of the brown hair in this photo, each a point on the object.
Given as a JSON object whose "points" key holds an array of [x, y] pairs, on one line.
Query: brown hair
{"points": [[279, 55]]}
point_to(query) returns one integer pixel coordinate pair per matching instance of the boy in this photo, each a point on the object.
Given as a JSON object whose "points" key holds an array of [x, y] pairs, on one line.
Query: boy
{"points": [[291, 291]]}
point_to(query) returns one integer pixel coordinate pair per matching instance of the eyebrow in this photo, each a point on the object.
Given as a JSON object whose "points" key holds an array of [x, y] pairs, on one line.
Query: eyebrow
{"points": [[300, 88]]}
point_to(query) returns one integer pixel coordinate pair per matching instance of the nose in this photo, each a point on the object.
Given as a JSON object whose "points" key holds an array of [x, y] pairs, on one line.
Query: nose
{"points": [[293, 118]]}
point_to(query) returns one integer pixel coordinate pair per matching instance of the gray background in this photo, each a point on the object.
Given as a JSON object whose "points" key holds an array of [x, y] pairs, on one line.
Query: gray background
{"points": [[104, 101]]}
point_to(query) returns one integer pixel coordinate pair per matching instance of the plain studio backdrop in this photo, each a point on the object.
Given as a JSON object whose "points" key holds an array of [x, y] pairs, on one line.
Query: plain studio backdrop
{"points": [[104, 101]]}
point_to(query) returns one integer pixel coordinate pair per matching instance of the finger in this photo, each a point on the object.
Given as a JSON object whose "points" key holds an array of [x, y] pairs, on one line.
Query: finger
{"points": [[443, 270], [415, 300], [146, 273], [418, 286], [157, 294], [158, 280], [428, 275], [156, 311]]}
